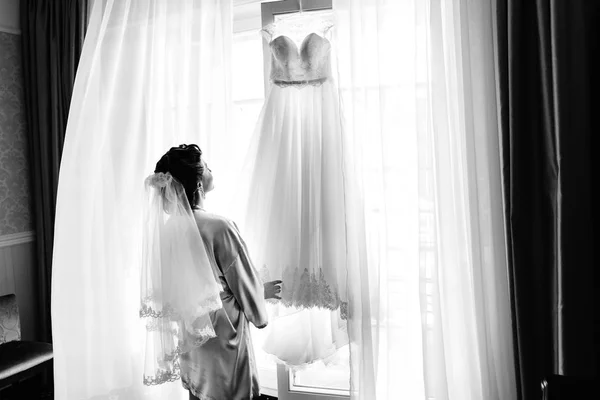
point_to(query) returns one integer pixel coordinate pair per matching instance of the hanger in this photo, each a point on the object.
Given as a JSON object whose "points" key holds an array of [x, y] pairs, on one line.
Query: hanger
{"points": [[295, 8]]}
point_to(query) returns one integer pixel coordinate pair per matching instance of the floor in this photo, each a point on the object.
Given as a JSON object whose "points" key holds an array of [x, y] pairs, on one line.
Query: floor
{"points": [[33, 389]]}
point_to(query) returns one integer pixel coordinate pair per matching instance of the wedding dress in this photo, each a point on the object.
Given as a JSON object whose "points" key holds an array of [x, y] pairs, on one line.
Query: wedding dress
{"points": [[296, 190]]}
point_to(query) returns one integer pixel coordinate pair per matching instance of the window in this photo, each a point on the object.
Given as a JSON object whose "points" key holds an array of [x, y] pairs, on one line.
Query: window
{"points": [[407, 248]]}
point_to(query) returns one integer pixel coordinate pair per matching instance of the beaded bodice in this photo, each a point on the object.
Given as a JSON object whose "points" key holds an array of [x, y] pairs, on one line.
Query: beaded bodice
{"points": [[300, 53]]}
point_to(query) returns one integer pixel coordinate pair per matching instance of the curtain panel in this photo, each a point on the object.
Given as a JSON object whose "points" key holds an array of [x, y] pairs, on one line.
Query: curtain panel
{"points": [[53, 34], [153, 74], [542, 54], [417, 84]]}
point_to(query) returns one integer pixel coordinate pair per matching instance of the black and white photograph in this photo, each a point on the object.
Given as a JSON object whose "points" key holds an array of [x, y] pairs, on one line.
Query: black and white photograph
{"points": [[298, 200]]}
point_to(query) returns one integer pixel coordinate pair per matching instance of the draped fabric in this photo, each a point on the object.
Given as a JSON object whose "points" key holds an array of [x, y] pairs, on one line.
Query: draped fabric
{"points": [[301, 213], [178, 286], [430, 310], [153, 74], [543, 54], [53, 34]]}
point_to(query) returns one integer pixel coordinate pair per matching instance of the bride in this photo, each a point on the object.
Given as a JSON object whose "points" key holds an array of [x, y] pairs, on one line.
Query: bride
{"points": [[214, 356]]}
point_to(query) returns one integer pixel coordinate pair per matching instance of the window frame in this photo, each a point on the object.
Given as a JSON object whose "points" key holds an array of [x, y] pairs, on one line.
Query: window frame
{"points": [[286, 392]]}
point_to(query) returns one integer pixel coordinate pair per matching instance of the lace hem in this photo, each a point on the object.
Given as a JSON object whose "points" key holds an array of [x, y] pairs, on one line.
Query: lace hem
{"points": [[307, 290], [148, 303], [161, 377], [164, 375], [192, 331], [343, 307], [146, 310], [299, 84]]}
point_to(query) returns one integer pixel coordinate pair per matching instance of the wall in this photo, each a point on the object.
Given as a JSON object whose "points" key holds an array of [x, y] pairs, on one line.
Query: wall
{"points": [[17, 246]]}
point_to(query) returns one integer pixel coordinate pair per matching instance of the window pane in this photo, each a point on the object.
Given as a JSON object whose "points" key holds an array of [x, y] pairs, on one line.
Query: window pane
{"points": [[247, 66], [333, 378]]}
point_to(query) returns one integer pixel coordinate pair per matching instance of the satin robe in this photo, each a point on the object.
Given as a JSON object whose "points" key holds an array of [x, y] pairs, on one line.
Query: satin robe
{"points": [[224, 368]]}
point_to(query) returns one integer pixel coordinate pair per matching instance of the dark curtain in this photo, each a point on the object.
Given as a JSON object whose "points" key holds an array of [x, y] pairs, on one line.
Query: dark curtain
{"points": [[52, 39], [544, 62]]}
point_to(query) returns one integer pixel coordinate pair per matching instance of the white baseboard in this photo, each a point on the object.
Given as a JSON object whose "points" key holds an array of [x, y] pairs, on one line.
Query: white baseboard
{"points": [[17, 238], [9, 29]]}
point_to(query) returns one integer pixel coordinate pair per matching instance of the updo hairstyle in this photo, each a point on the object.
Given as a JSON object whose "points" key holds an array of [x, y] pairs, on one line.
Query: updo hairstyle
{"points": [[184, 164]]}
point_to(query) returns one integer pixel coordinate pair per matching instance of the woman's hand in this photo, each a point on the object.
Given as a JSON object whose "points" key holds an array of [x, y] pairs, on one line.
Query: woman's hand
{"points": [[272, 290]]}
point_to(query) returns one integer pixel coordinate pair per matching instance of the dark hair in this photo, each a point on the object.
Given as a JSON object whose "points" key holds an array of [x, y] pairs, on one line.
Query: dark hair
{"points": [[184, 163]]}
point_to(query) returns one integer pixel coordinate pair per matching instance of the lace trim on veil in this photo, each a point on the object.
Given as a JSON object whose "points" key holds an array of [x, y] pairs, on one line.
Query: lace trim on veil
{"points": [[147, 310], [164, 375], [168, 321]]}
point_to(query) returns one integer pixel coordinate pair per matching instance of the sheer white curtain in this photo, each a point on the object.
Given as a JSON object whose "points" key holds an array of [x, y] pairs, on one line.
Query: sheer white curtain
{"points": [[416, 77], [153, 74]]}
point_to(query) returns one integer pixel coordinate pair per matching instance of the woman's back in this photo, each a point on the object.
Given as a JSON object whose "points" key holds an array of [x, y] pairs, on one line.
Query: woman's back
{"points": [[224, 367]]}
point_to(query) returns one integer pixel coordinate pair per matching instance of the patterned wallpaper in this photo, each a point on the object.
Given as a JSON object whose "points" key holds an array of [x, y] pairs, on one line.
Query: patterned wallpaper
{"points": [[15, 205]]}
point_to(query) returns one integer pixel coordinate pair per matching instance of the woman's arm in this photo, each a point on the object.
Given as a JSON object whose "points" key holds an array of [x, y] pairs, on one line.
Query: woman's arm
{"points": [[244, 281], [247, 288]]}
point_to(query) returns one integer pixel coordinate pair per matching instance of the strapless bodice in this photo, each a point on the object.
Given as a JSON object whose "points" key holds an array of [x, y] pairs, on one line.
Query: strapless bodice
{"points": [[300, 49], [307, 64]]}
